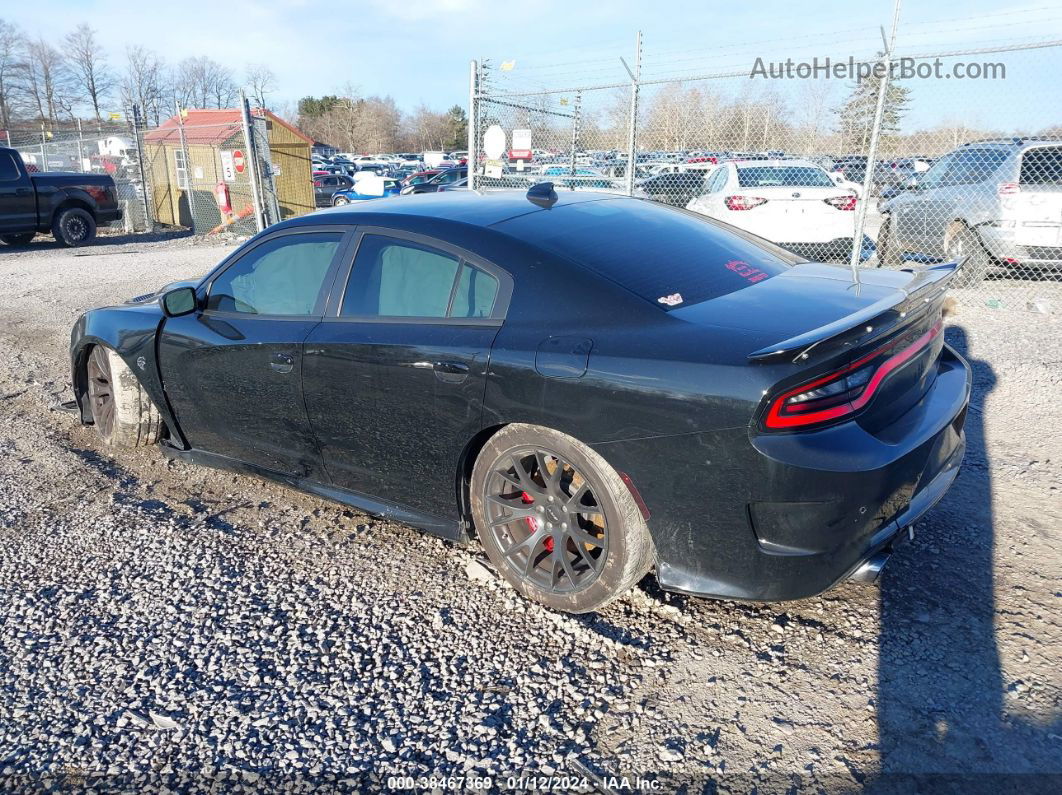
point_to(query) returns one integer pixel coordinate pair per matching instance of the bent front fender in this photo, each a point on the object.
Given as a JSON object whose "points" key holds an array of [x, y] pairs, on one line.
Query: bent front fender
{"points": [[131, 332]]}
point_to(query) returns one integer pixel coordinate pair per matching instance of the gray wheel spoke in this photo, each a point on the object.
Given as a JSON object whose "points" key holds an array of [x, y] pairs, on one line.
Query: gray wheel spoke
{"points": [[566, 564]]}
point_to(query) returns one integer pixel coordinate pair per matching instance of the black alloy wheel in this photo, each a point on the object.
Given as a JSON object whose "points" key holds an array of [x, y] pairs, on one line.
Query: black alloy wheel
{"points": [[545, 518]]}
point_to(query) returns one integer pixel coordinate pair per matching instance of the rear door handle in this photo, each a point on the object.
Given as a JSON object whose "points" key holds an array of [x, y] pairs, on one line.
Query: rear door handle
{"points": [[281, 362], [23, 192], [451, 372]]}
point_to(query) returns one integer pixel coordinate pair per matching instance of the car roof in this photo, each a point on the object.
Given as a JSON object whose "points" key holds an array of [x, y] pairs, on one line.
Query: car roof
{"points": [[467, 207]]}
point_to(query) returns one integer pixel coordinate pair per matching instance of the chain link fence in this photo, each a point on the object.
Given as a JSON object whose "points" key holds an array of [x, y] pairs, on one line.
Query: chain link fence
{"points": [[890, 161], [113, 148], [207, 177]]}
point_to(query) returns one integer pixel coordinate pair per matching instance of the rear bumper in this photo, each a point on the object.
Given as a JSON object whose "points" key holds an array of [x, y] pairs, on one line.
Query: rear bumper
{"points": [[1010, 249], [790, 515]]}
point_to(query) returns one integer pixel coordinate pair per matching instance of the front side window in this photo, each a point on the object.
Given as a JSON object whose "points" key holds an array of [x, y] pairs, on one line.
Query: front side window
{"points": [[180, 169], [283, 276]]}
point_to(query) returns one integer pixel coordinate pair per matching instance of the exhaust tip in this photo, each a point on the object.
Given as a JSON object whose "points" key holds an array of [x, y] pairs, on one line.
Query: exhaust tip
{"points": [[870, 569]]}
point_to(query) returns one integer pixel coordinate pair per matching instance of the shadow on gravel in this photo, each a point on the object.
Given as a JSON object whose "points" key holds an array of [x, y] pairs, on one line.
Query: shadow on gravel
{"points": [[942, 720]]}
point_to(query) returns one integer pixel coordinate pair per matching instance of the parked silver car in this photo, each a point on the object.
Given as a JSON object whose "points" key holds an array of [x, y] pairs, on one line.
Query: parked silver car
{"points": [[997, 202]]}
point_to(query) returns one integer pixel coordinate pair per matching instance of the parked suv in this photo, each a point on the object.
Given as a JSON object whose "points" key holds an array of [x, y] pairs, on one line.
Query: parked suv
{"points": [[996, 202]]}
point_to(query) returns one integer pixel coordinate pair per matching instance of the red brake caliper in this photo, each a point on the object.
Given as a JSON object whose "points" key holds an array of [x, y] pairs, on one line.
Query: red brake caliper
{"points": [[532, 522]]}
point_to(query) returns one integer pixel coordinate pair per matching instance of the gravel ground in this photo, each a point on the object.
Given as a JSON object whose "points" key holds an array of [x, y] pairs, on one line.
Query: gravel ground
{"points": [[159, 620]]}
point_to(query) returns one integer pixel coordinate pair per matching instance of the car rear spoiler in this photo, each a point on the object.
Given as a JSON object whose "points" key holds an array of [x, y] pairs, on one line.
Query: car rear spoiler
{"points": [[929, 284]]}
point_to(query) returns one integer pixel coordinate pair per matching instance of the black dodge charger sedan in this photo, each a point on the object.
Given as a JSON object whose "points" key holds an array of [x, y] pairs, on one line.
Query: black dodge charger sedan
{"points": [[594, 386]]}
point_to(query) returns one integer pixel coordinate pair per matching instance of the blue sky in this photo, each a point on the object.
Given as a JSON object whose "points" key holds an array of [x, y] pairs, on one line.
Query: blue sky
{"points": [[418, 50]]}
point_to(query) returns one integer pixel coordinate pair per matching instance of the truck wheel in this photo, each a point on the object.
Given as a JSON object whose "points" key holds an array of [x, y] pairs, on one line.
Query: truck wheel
{"points": [[18, 240], [556, 520], [122, 412], [73, 227]]}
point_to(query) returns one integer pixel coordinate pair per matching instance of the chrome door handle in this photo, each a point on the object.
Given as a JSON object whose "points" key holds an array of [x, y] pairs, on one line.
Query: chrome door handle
{"points": [[281, 363]]}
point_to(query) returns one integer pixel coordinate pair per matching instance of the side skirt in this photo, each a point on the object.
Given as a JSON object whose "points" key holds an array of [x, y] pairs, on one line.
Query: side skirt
{"points": [[450, 529]]}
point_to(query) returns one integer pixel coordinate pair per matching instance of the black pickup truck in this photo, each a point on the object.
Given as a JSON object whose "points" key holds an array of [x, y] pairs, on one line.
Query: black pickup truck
{"points": [[67, 204]]}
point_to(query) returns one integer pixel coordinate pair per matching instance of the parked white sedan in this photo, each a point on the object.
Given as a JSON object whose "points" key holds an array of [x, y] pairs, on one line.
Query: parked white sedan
{"points": [[794, 203]]}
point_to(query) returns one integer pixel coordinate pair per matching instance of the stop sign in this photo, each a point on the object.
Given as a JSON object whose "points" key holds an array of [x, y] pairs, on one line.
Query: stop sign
{"points": [[238, 162]]}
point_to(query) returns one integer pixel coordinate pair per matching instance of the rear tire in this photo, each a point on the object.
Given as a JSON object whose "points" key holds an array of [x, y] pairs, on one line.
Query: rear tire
{"points": [[888, 256], [73, 227], [339, 201], [549, 550], [18, 240], [961, 241], [122, 412]]}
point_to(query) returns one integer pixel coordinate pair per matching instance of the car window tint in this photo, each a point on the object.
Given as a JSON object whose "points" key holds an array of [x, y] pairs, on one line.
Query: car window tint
{"points": [[1042, 166], [8, 169], [283, 276], [666, 256], [399, 278], [476, 291], [783, 176]]}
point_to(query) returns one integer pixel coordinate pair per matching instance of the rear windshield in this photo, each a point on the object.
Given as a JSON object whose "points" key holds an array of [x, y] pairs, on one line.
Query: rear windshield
{"points": [[1042, 166], [784, 176], [667, 256]]}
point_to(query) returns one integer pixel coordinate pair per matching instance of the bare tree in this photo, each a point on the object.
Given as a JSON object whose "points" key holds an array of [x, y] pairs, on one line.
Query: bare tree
{"points": [[11, 49], [143, 83], [201, 82], [261, 80], [88, 62], [46, 77]]}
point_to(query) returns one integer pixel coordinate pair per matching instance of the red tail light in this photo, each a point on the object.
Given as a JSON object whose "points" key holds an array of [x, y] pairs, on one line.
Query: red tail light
{"points": [[743, 202], [845, 391], [1007, 188], [842, 202]]}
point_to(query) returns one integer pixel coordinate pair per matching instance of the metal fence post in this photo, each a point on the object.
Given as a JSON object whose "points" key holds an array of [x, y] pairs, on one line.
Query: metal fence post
{"points": [[473, 125], [872, 152], [44, 154], [248, 137], [187, 165], [632, 131], [575, 127], [138, 139]]}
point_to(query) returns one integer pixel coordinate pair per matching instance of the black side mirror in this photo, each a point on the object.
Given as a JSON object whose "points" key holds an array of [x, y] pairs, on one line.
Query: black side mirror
{"points": [[181, 301]]}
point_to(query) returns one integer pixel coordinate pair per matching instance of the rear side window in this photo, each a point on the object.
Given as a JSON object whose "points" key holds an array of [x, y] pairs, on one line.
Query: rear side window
{"points": [[399, 278], [475, 295], [970, 166], [669, 257], [8, 170], [783, 176], [1042, 166]]}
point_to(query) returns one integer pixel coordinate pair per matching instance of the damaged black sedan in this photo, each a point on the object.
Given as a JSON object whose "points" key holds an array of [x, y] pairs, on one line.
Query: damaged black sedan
{"points": [[594, 386]]}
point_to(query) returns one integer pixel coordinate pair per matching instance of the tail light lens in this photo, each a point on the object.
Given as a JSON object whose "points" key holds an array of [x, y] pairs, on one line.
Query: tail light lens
{"points": [[1007, 188], [845, 391], [743, 202], [842, 202]]}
